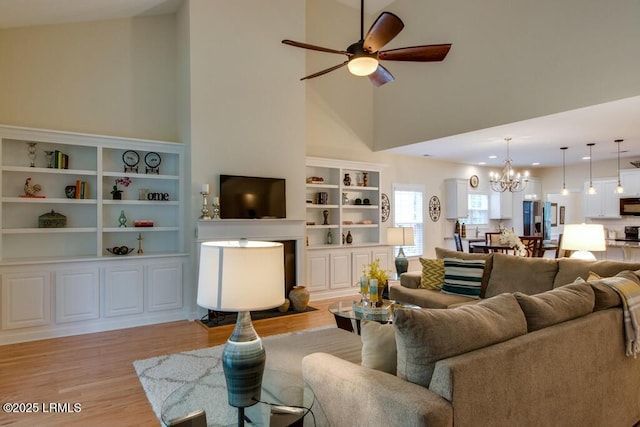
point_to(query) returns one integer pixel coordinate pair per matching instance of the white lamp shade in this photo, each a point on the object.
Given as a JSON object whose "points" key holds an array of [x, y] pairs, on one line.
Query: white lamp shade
{"points": [[583, 237], [400, 236], [241, 275]]}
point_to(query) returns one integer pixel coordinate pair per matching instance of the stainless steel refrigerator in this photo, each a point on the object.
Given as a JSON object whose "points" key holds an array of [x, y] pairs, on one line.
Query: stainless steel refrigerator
{"points": [[536, 218]]}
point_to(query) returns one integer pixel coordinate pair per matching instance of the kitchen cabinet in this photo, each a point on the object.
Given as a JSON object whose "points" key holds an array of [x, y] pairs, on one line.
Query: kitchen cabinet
{"points": [[456, 204], [605, 203], [500, 205], [630, 180]]}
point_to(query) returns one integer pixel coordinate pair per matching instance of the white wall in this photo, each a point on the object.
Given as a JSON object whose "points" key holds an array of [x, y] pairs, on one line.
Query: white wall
{"points": [[115, 77], [511, 60]]}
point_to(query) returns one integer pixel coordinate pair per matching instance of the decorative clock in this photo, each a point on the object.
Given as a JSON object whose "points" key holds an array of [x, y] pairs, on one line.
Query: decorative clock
{"points": [[131, 159], [473, 181], [434, 208], [153, 160], [385, 207]]}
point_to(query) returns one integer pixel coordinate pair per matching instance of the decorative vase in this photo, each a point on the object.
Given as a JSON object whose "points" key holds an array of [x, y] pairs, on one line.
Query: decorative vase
{"points": [[365, 178], [349, 238], [299, 296], [329, 238], [347, 180], [117, 194], [285, 306], [122, 220], [345, 199], [325, 215]]}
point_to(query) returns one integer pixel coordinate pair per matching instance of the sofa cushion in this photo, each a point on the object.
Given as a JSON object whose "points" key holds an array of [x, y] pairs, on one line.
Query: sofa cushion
{"points": [[463, 277], [426, 298], [557, 305], [488, 258], [521, 274], [425, 336], [569, 269], [432, 273], [378, 346]]}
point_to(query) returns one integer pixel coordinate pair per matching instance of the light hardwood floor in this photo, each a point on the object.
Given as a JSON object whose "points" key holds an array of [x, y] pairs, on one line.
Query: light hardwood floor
{"points": [[96, 370]]}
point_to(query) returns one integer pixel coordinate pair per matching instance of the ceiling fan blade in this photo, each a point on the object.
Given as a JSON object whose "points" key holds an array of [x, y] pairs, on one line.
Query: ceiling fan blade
{"points": [[328, 70], [313, 47], [380, 76], [383, 30], [427, 53]]}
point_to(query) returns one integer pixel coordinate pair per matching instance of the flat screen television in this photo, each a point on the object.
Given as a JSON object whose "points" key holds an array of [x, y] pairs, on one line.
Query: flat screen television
{"points": [[250, 197]]}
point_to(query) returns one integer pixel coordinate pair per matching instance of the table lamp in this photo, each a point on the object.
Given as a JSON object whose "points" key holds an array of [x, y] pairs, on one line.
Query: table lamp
{"points": [[583, 238], [400, 236], [242, 276]]}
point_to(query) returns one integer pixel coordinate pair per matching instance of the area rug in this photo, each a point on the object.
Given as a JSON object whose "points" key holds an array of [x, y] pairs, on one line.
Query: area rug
{"points": [[162, 375], [223, 318]]}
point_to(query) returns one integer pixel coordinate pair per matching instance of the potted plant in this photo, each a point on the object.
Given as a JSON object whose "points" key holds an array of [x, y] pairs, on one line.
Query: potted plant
{"points": [[374, 271], [116, 192]]}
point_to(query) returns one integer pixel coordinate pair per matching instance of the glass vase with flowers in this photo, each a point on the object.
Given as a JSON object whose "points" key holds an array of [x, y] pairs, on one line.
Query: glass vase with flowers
{"points": [[116, 192], [373, 282]]}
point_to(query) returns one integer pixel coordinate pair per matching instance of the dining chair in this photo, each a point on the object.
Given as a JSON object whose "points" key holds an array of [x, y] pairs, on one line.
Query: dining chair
{"points": [[493, 238], [458, 240], [533, 245]]}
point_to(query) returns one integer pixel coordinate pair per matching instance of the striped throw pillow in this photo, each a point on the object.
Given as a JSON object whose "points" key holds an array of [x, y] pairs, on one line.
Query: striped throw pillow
{"points": [[432, 273], [463, 277]]}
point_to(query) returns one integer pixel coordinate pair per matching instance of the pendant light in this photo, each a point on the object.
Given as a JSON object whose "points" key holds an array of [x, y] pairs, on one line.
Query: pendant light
{"points": [[565, 192], [619, 188], [591, 189]]}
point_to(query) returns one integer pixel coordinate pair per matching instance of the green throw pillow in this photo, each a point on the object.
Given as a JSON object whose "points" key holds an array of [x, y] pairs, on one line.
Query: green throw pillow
{"points": [[432, 273], [463, 277]]}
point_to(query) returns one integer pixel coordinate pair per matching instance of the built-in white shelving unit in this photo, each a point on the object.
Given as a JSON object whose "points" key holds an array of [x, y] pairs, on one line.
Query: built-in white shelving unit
{"points": [[78, 286]]}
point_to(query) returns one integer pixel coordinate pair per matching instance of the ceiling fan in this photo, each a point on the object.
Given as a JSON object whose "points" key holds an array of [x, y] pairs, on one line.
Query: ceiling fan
{"points": [[364, 55]]}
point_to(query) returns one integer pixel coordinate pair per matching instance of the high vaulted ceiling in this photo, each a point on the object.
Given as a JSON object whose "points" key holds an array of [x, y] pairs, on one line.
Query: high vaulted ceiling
{"points": [[536, 140]]}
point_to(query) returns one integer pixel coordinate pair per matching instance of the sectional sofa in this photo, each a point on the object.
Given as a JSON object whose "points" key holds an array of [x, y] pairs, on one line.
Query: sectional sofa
{"points": [[519, 356]]}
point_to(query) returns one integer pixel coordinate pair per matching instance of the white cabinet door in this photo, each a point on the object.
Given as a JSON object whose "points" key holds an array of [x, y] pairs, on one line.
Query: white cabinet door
{"points": [[317, 270], [26, 299], [123, 288], [456, 198], [360, 259], [605, 203], [501, 205], [630, 179], [340, 270], [77, 295], [164, 286]]}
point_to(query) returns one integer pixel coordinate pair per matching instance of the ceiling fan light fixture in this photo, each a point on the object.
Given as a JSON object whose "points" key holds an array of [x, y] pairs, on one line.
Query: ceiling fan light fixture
{"points": [[362, 65]]}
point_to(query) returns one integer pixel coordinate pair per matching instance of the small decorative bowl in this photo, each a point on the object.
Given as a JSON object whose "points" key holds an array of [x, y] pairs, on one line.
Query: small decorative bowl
{"points": [[120, 250]]}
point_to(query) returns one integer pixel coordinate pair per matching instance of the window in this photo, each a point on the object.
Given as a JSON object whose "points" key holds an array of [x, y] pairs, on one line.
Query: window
{"points": [[478, 209], [407, 212]]}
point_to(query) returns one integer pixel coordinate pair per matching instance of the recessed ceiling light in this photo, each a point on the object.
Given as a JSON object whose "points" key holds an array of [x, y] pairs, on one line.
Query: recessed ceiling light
{"points": [[586, 158], [493, 157], [535, 163], [482, 163]]}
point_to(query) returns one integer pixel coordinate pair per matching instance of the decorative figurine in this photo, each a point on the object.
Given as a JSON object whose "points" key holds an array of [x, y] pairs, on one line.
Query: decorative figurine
{"points": [[31, 190], [347, 179], [365, 178], [325, 214]]}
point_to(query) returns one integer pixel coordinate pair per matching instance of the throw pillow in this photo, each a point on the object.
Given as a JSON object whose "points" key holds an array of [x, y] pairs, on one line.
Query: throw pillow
{"points": [[432, 273], [378, 346], [606, 296], [425, 336], [442, 253], [557, 305], [463, 277]]}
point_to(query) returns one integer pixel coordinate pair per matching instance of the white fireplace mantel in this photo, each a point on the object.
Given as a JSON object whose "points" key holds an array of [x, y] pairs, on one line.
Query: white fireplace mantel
{"points": [[257, 229]]}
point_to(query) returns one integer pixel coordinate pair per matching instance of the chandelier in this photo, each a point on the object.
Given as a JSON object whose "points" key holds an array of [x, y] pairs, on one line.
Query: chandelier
{"points": [[508, 180]]}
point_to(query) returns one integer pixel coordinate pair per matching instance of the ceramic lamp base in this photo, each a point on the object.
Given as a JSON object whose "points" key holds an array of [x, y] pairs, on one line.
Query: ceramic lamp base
{"points": [[402, 265], [243, 360]]}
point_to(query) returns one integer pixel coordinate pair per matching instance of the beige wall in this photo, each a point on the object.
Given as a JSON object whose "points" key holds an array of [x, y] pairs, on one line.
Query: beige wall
{"points": [[114, 77], [511, 60]]}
